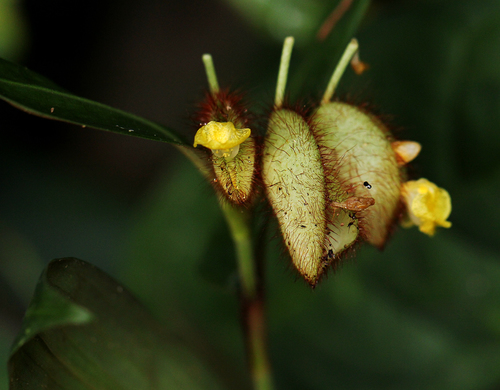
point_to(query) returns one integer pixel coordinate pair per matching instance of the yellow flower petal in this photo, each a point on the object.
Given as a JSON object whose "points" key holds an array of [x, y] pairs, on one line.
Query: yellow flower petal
{"points": [[220, 135], [428, 206]]}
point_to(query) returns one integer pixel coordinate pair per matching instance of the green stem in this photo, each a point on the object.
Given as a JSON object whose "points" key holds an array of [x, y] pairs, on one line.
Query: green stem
{"points": [[261, 366], [349, 52], [211, 75], [283, 72], [239, 221]]}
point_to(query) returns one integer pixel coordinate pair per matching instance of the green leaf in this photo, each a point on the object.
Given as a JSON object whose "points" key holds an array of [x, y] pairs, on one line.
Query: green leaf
{"points": [[83, 330], [49, 309], [37, 95]]}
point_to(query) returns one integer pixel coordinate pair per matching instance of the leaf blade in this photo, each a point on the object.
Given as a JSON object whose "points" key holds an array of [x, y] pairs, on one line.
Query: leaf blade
{"points": [[37, 95], [121, 346]]}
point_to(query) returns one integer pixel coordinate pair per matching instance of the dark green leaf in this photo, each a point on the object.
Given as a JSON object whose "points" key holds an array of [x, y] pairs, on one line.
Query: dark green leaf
{"points": [[84, 331], [37, 95]]}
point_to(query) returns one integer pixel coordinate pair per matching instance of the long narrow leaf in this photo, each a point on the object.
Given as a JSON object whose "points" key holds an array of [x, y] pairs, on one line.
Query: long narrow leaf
{"points": [[37, 95]]}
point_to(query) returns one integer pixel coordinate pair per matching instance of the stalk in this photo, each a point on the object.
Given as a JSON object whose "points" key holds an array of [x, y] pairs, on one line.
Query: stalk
{"points": [[252, 297]]}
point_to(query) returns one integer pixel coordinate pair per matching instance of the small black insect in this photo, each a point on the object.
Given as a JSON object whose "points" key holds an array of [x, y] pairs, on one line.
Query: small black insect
{"points": [[367, 185]]}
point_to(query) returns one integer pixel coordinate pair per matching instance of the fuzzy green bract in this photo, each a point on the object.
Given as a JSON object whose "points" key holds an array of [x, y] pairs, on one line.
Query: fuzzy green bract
{"points": [[294, 181], [342, 225], [367, 163], [236, 176], [302, 177]]}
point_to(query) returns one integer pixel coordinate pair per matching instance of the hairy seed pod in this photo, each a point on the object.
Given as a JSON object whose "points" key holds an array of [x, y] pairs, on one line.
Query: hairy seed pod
{"points": [[224, 130], [369, 164]]}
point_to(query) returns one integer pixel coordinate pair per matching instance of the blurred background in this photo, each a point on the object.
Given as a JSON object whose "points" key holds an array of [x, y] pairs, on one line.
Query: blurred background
{"points": [[422, 314]]}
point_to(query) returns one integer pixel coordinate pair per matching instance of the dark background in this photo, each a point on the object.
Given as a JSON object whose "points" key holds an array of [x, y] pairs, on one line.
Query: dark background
{"points": [[425, 313]]}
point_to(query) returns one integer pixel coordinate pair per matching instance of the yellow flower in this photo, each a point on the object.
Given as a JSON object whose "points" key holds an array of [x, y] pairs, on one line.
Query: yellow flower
{"points": [[222, 137], [428, 205]]}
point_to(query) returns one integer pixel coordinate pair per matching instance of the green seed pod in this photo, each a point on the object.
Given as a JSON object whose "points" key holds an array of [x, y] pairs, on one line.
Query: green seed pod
{"points": [[224, 121], [368, 164]]}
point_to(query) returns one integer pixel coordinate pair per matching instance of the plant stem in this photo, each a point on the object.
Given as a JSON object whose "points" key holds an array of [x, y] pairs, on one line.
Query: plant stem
{"points": [[349, 52], [239, 224], [256, 330], [252, 297], [283, 72]]}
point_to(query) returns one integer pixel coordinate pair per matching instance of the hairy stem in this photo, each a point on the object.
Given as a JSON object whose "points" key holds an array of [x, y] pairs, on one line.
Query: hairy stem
{"points": [[252, 297]]}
